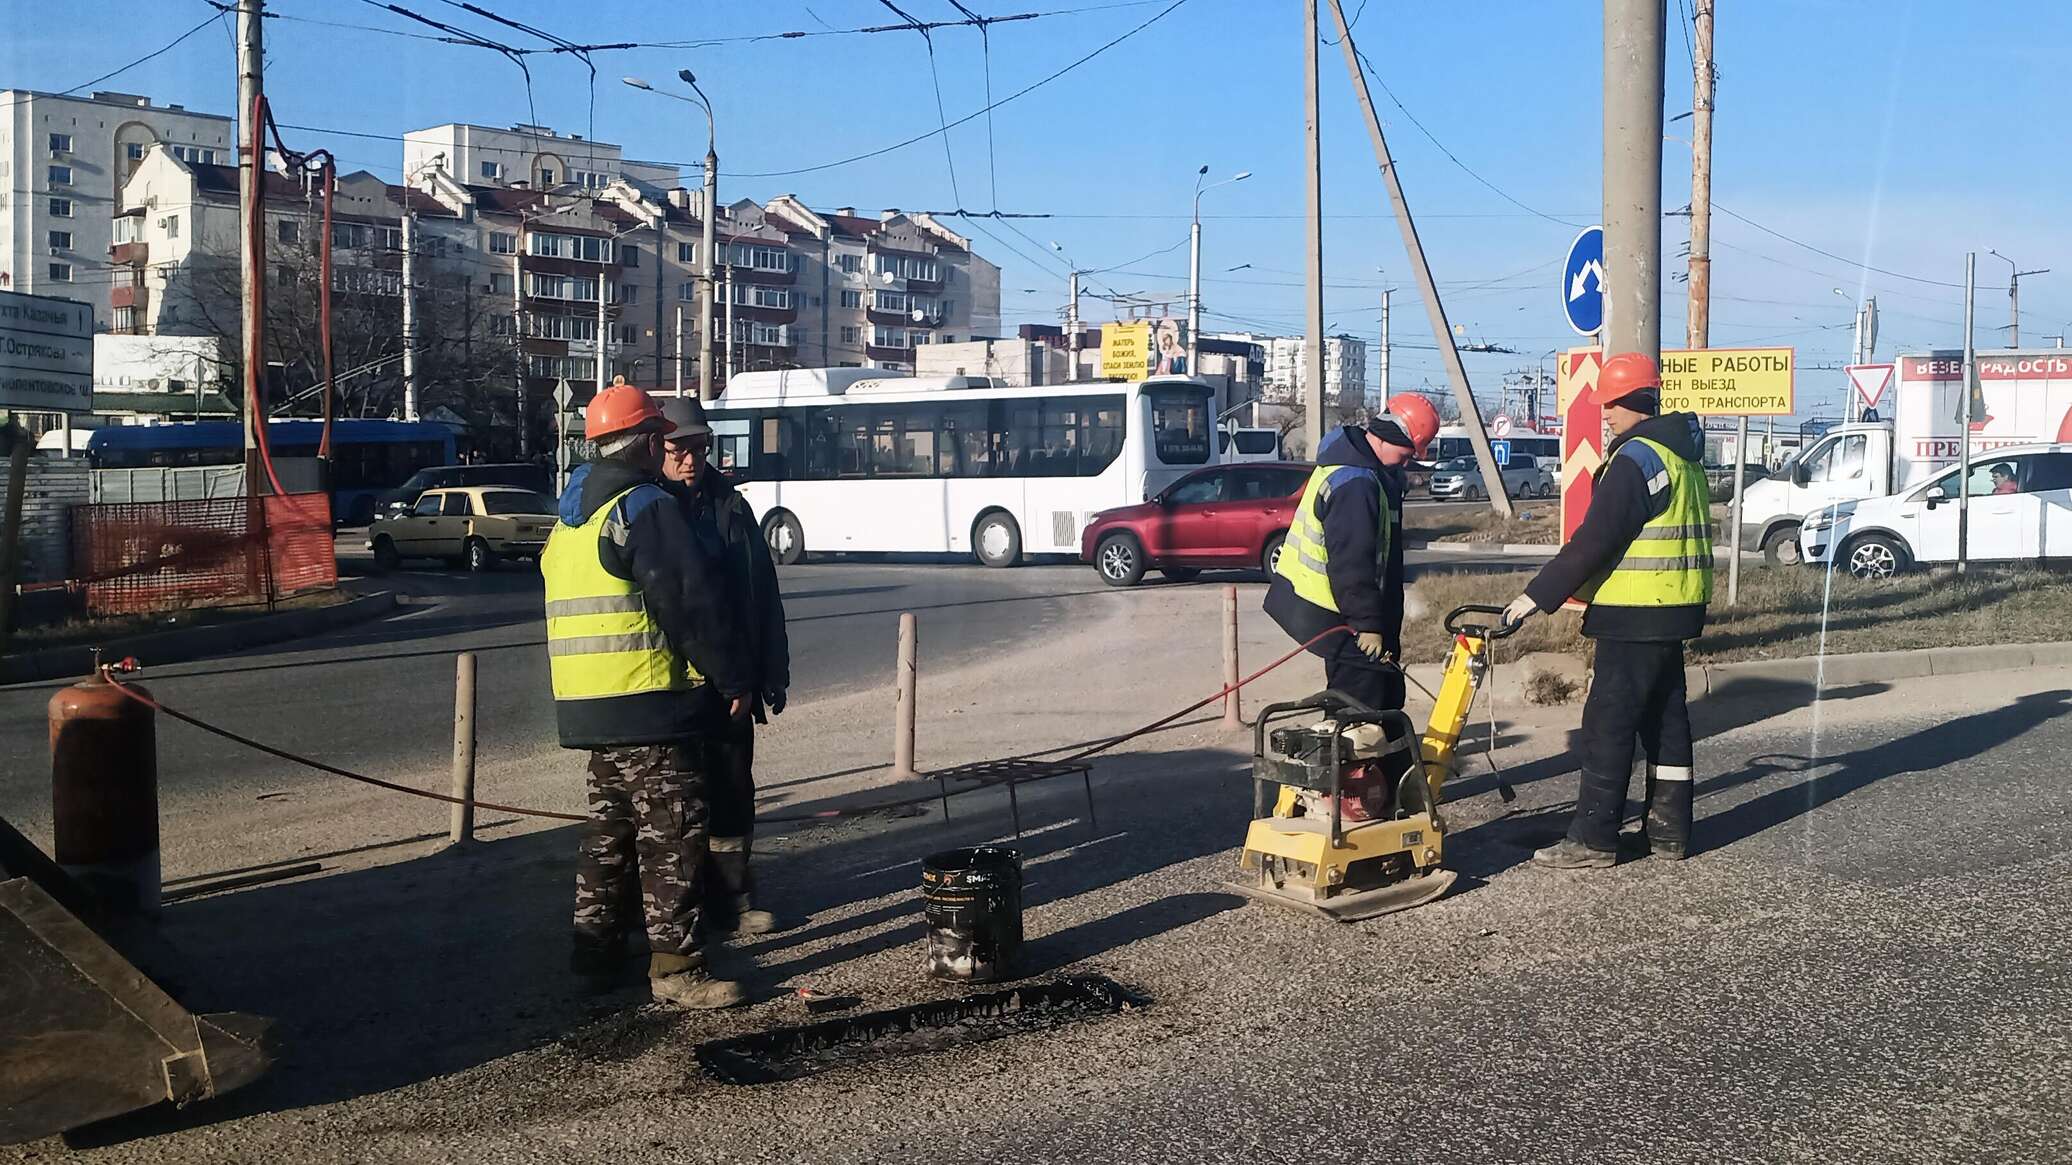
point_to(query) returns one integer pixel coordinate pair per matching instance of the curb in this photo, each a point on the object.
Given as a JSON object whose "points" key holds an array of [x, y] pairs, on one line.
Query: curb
{"points": [[1874, 666], [1543, 550], [189, 643]]}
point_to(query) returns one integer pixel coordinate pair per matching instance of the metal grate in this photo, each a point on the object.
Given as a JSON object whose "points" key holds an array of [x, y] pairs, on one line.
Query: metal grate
{"points": [[1013, 773], [1064, 528]]}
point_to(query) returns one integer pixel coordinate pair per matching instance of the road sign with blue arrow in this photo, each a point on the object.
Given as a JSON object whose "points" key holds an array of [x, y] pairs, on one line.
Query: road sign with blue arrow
{"points": [[1582, 282]]}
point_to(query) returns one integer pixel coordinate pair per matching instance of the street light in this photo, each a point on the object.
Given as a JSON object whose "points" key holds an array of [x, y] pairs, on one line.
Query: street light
{"points": [[711, 213], [1194, 266], [2014, 296], [1071, 318]]}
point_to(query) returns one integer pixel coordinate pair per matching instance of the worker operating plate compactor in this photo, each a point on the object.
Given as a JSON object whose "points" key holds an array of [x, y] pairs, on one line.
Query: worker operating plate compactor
{"points": [[1354, 829]]}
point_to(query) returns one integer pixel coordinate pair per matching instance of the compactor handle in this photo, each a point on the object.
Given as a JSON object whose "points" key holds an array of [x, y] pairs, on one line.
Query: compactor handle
{"points": [[1499, 630]]}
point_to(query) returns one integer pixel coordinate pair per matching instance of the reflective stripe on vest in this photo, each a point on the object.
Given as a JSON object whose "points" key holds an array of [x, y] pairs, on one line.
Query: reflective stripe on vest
{"points": [[601, 641], [1305, 562], [1669, 563]]}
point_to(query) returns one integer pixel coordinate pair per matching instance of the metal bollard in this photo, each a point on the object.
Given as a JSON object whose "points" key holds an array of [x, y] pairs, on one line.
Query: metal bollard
{"points": [[462, 827], [903, 705], [1232, 716]]}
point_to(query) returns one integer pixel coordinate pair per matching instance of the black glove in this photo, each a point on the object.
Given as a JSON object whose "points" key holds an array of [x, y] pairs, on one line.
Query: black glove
{"points": [[774, 701]]}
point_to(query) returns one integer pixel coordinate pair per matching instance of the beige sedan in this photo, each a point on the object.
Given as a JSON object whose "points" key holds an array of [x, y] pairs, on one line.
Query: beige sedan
{"points": [[473, 526]]}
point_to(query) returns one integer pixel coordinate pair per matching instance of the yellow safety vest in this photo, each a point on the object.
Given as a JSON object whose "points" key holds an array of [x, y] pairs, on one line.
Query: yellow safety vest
{"points": [[1304, 559], [601, 641], [1669, 563]]}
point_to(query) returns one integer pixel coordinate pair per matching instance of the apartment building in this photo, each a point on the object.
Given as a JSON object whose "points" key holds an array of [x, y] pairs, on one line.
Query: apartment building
{"points": [[530, 156], [63, 163], [1345, 367]]}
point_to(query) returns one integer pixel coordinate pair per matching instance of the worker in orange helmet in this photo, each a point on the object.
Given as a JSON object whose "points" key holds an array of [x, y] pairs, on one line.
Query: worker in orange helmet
{"points": [[1642, 559], [1342, 560], [639, 632]]}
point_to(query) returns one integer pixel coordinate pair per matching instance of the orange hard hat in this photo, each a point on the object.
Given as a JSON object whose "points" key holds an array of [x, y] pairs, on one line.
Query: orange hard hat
{"points": [[623, 409], [1416, 416], [1624, 374]]}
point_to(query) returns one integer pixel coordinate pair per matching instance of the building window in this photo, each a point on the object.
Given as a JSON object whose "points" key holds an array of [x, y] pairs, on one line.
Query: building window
{"points": [[889, 337], [61, 272], [850, 264], [283, 275], [61, 240], [125, 319], [499, 283], [628, 293], [888, 301], [629, 255], [172, 226], [60, 175], [289, 231], [947, 308], [61, 143], [776, 297], [687, 252], [391, 238], [348, 234], [500, 325], [849, 335], [61, 208], [687, 290], [546, 176], [920, 338], [852, 299], [134, 151], [502, 243], [907, 267], [492, 170]]}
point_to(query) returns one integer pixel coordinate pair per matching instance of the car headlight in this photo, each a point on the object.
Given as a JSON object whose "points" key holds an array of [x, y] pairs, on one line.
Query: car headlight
{"points": [[1820, 521]]}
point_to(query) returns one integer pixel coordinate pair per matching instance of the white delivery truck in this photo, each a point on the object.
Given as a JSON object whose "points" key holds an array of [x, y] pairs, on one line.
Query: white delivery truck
{"points": [[2021, 398]]}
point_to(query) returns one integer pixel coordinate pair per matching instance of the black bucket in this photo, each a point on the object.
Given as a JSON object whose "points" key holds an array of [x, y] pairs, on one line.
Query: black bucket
{"points": [[972, 899]]}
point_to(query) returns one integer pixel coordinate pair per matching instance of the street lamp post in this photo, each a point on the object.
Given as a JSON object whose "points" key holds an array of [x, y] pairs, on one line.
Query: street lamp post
{"points": [[1071, 319], [709, 215], [1194, 267], [2014, 296]]}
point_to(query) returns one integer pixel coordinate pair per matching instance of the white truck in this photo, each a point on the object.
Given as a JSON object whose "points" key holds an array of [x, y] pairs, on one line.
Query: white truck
{"points": [[2021, 398]]}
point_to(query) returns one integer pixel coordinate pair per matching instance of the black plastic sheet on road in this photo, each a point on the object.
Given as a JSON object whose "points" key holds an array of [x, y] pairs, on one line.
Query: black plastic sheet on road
{"points": [[792, 1052]]}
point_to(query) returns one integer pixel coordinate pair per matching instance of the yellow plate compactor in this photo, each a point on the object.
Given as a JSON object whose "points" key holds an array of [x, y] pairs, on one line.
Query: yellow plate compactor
{"points": [[1354, 830]]}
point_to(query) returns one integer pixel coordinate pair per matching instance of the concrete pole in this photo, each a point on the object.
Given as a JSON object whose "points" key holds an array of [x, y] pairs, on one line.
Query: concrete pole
{"points": [[906, 683], [462, 826], [679, 349], [1456, 372], [706, 391], [251, 85], [1633, 63], [1964, 419], [518, 343], [1194, 292], [1386, 293], [1313, 249], [1701, 181], [730, 323], [1072, 334], [409, 310], [1233, 715], [603, 282]]}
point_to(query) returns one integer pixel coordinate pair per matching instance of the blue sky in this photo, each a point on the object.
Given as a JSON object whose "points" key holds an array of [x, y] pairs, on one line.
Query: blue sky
{"points": [[1890, 133]]}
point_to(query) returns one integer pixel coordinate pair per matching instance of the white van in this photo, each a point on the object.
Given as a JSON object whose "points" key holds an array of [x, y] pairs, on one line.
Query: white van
{"points": [[2021, 510]]}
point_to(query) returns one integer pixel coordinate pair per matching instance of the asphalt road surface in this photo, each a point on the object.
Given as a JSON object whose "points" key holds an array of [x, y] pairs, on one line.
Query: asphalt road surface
{"points": [[378, 697]]}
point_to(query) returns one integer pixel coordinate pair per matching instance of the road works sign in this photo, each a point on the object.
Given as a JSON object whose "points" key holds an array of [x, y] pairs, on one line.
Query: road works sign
{"points": [[1733, 382], [1870, 382], [1582, 282], [46, 354], [1582, 433]]}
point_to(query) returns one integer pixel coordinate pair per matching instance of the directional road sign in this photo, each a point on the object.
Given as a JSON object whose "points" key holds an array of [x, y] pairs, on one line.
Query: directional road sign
{"points": [[1500, 452], [1582, 282]]}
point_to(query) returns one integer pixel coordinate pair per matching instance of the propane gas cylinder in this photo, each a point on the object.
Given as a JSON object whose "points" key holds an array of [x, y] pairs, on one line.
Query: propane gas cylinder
{"points": [[104, 792]]}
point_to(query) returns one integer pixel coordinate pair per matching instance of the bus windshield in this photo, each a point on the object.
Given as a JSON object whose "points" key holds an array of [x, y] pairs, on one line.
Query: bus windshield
{"points": [[1179, 425]]}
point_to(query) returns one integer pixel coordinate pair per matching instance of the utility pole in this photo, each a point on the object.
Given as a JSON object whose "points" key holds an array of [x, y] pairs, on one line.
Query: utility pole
{"points": [[2014, 297], [1072, 333], [1633, 82], [706, 392], [1700, 310], [251, 174], [1313, 250], [1456, 372], [679, 349], [1386, 292], [1964, 418], [730, 323], [604, 250], [518, 342], [409, 309], [1194, 285]]}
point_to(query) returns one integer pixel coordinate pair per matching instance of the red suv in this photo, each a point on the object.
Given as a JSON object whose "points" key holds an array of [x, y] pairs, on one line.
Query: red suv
{"points": [[1229, 516]]}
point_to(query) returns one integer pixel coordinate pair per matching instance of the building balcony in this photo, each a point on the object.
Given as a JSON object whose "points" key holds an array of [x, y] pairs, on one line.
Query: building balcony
{"points": [[764, 315], [129, 296], [126, 253], [887, 352], [746, 274]]}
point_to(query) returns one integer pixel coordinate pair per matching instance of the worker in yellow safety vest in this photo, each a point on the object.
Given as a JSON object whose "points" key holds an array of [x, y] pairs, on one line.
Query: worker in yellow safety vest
{"points": [[637, 628], [1342, 560], [1642, 560]]}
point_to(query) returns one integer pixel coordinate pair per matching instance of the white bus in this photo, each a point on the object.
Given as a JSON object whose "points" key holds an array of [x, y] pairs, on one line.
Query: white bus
{"points": [[852, 459]]}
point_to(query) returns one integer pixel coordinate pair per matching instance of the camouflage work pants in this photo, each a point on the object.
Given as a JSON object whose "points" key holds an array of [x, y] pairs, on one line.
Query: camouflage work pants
{"points": [[647, 837]]}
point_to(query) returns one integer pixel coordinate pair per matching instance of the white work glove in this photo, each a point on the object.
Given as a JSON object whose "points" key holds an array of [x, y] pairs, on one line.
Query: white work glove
{"points": [[1521, 609], [1371, 644]]}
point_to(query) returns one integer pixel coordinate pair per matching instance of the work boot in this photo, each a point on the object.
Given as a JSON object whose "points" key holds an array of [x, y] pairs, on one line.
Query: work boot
{"points": [[1600, 804], [1669, 812], [750, 921], [695, 990], [602, 963], [1569, 854]]}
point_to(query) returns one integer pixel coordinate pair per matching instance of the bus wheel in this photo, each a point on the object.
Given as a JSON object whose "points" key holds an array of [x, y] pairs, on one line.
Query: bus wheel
{"points": [[997, 540], [385, 557], [786, 540]]}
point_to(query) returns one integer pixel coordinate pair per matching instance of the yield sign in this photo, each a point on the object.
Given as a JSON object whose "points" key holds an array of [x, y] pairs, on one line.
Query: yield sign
{"points": [[1870, 380]]}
